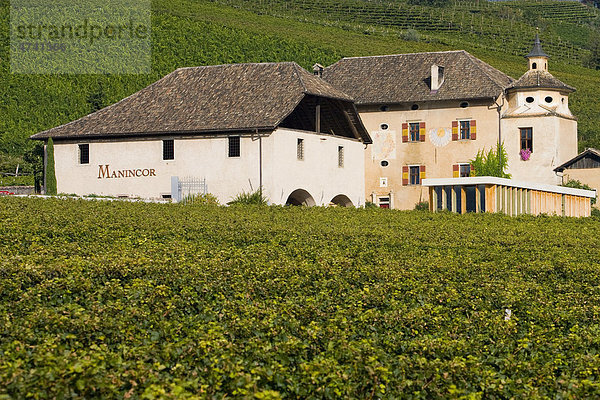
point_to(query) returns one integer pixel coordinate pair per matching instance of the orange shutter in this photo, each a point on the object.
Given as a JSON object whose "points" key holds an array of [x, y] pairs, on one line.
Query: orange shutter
{"points": [[404, 133], [473, 170], [422, 131], [454, 130], [405, 175], [422, 170], [455, 171], [473, 130]]}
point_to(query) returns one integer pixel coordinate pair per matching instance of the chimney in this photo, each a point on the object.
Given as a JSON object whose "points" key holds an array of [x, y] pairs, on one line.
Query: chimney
{"points": [[437, 77], [318, 70]]}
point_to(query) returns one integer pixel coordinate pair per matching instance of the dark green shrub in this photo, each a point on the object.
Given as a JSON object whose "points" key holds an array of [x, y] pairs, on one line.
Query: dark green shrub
{"points": [[422, 206], [50, 173]]}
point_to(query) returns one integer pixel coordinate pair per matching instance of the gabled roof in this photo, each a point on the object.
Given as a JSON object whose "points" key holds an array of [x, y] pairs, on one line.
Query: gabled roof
{"points": [[588, 153], [406, 77], [538, 79], [219, 98]]}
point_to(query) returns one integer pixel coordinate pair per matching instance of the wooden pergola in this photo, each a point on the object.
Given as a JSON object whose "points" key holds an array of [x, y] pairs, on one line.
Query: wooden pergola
{"points": [[508, 196]]}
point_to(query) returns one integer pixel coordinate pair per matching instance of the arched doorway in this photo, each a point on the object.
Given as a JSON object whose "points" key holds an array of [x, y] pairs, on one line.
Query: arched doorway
{"points": [[300, 197], [342, 200]]}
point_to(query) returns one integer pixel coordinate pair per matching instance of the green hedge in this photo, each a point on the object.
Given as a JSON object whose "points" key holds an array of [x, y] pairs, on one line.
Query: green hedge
{"points": [[123, 300]]}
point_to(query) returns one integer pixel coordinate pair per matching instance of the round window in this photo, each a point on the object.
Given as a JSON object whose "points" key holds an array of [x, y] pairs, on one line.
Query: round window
{"points": [[464, 104], [384, 108], [414, 107], [384, 126], [529, 99], [384, 163], [548, 99]]}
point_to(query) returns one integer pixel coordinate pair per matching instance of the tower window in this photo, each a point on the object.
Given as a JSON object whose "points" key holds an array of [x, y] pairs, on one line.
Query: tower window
{"points": [[385, 163], [168, 149], [529, 99], [464, 104], [549, 99], [534, 66], [384, 127], [526, 138], [414, 107]]}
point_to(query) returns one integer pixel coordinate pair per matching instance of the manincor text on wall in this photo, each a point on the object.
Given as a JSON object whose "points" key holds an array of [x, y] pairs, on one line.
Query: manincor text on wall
{"points": [[104, 172]]}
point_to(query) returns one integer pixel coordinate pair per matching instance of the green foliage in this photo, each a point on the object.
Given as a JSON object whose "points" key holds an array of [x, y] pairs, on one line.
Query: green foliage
{"points": [[370, 204], [34, 159], [573, 183], [21, 180], [410, 35], [50, 171], [596, 213], [188, 33], [200, 199], [422, 206], [250, 198], [131, 300], [494, 163]]}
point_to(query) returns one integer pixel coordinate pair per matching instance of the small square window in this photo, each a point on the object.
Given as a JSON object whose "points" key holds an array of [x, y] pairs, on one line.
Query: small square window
{"points": [[340, 156], [84, 153], [414, 131], [414, 175], [464, 170], [300, 149], [168, 149], [234, 146], [465, 129]]}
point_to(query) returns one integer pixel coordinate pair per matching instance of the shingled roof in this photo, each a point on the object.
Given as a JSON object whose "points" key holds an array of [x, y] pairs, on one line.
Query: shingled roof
{"points": [[406, 77], [218, 98], [537, 79]]}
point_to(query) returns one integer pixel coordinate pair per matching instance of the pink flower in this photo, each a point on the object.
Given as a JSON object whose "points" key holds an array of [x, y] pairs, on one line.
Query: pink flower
{"points": [[525, 154]]}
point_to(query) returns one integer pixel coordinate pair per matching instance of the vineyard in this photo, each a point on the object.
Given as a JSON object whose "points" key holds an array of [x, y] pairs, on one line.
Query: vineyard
{"points": [[502, 27], [125, 300], [193, 33]]}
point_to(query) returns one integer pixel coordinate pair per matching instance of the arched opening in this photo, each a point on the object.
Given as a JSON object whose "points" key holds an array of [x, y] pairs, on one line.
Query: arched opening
{"points": [[300, 197], [342, 200], [534, 66]]}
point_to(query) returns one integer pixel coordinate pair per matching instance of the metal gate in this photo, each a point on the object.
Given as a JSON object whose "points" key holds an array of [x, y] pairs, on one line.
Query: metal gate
{"points": [[182, 188]]}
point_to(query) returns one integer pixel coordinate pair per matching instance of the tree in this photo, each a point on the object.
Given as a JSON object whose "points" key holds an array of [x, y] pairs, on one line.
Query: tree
{"points": [[50, 173], [34, 159], [494, 163]]}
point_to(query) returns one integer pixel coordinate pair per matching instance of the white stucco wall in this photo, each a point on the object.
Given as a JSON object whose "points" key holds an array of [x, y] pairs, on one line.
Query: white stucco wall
{"points": [[318, 173], [206, 157]]}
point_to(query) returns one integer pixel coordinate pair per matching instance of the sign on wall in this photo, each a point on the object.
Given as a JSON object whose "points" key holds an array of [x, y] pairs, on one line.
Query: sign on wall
{"points": [[104, 172], [440, 136]]}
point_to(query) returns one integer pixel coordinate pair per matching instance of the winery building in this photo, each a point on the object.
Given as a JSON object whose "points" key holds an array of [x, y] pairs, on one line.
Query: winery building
{"points": [[235, 128], [430, 113]]}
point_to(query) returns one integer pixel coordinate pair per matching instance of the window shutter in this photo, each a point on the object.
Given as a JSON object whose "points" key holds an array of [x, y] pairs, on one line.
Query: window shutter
{"points": [[454, 130], [422, 131], [422, 170], [404, 132], [455, 171], [473, 130], [404, 175]]}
